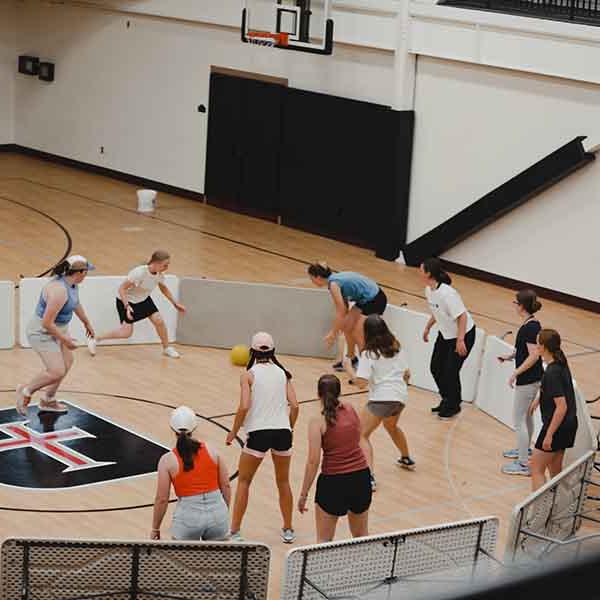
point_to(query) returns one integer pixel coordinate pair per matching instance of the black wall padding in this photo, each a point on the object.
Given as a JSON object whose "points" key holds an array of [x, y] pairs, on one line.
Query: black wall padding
{"points": [[326, 164], [510, 195]]}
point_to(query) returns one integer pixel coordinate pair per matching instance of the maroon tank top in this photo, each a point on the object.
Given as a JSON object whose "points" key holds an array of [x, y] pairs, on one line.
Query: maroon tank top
{"points": [[340, 442]]}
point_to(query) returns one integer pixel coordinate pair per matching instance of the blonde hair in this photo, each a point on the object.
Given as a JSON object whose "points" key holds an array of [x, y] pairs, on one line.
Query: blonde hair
{"points": [[159, 256]]}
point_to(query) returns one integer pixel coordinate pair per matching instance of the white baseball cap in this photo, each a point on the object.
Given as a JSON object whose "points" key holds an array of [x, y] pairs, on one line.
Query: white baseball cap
{"points": [[262, 341], [80, 262], [183, 419]]}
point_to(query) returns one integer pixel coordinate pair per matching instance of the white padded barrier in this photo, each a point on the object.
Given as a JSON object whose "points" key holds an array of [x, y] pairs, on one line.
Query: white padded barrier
{"points": [[408, 326], [7, 314], [97, 295]]}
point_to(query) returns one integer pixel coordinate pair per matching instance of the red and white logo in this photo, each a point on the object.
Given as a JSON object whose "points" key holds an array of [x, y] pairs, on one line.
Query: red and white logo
{"points": [[50, 443]]}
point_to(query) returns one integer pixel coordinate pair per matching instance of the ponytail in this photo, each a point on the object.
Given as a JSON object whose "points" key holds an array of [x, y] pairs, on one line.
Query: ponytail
{"points": [[61, 269], [550, 340], [329, 389], [187, 447], [265, 356], [528, 300], [433, 268]]}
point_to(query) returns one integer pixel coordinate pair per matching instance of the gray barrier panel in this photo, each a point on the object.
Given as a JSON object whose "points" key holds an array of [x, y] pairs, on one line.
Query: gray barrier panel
{"points": [[222, 314]]}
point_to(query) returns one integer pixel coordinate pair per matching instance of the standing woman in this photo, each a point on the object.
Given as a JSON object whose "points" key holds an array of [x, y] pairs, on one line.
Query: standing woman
{"points": [[559, 410], [200, 480], [48, 332], [135, 304], [526, 380], [268, 411], [344, 486], [455, 339], [382, 366], [345, 287]]}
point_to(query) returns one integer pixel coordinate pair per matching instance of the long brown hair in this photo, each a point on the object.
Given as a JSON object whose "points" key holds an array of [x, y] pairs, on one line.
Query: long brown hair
{"points": [[433, 268], [319, 269], [265, 356], [550, 340], [187, 447], [329, 389], [379, 340]]}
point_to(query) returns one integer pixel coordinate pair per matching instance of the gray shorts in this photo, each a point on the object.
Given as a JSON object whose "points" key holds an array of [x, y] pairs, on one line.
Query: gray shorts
{"points": [[201, 517], [385, 409], [40, 339]]}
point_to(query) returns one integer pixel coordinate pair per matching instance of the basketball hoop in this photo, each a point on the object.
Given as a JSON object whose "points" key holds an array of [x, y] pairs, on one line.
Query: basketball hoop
{"points": [[268, 39]]}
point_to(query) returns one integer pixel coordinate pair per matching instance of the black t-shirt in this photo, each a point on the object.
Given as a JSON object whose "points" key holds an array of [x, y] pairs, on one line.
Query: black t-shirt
{"points": [[527, 334], [557, 382]]}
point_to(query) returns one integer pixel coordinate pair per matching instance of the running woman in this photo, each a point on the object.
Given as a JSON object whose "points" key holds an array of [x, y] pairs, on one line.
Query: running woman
{"points": [[346, 287], [344, 486], [455, 339], [48, 333], [559, 410], [382, 366], [525, 379], [268, 411], [135, 304]]}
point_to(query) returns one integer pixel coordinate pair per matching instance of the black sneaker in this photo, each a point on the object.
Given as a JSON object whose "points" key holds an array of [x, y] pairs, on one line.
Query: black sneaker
{"points": [[406, 462], [436, 409], [448, 413], [338, 366], [355, 362]]}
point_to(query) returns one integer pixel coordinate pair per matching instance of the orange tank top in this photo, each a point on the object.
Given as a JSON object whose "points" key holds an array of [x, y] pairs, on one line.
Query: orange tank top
{"points": [[202, 478]]}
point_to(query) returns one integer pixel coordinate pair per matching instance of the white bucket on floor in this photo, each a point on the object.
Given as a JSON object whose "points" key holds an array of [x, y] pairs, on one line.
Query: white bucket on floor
{"points": [[146, 200]]}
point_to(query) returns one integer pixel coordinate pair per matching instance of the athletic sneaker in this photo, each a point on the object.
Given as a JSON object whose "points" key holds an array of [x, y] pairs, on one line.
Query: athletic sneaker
{"points": [[236, 537], [53, 405], [436, 409], [373, 484], [406, 462], [339, 366], [22, 399], [288, 536], [448, 413], [91, 344], [171, 352], [513, 453], [516, 468]]}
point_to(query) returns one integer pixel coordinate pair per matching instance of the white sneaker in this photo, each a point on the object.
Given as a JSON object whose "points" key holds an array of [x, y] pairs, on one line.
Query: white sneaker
{"points": [[91, 344], [288, 536], [171, 352]]}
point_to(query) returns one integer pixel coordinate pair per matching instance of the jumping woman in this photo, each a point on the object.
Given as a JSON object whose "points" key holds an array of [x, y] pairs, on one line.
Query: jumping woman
{"points": [[346, 287], [382, 366], [268, 411], [559, 410], [455, 339], [48, 333], [135, 304]]}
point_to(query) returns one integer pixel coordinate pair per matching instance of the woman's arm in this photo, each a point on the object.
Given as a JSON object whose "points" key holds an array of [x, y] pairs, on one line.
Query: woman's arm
{"points": [[55, 300], [341, 310], [161, 500], [224, 484], [312, 461], [461, 322], [293, 403], [89, 330], [126, 285], [532, 357], [560, 411], [428, 327], [167, 294], [246, 380]]}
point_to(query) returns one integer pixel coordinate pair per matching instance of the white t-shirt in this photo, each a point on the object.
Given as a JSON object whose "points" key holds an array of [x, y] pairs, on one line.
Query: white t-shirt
{"points": [[145, 283], [446, 305], [385, 377], [269, 407]]}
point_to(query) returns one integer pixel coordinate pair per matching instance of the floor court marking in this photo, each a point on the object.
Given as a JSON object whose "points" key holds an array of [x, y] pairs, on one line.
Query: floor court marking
{"points": [[258, 248]]}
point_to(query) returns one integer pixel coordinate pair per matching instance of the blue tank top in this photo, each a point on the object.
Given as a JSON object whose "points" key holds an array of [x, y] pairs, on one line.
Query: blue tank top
{"points": [[355, 287], [65, 314]]}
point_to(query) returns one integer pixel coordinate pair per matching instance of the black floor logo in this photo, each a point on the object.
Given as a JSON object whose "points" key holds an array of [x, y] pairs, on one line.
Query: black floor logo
{"points": [[47, 450]]}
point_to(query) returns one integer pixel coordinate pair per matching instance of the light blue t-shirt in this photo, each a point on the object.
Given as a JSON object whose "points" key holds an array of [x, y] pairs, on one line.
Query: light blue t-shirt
{"points": [[355, 287], [65, 314]]}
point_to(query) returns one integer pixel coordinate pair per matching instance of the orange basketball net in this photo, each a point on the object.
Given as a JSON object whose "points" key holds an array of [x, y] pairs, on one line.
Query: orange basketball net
{"points": [[266, 38]]}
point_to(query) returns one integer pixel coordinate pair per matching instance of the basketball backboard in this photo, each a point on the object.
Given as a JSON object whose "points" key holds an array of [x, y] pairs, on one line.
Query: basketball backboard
{"points": [[301, 25]]}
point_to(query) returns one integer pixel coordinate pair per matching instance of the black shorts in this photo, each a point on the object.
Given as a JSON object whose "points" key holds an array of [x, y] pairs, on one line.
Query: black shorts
{"points": [[259, 442], [338, 494], [141, 310], [375, 306], [563, 438]]}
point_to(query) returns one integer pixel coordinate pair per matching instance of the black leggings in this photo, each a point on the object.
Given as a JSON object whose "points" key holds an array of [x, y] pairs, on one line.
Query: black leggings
{"points": [[445, 367]]}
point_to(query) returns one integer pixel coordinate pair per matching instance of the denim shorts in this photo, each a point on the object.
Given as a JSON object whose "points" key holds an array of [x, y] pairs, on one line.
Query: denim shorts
{"points": [[201, 517]]}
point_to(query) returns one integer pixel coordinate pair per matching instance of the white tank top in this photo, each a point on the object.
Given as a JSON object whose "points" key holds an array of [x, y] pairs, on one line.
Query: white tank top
{"points": [[268, 399]]}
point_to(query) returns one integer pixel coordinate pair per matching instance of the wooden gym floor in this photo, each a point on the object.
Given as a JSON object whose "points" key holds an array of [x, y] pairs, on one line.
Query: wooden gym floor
{"points": [[458, 462]]}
